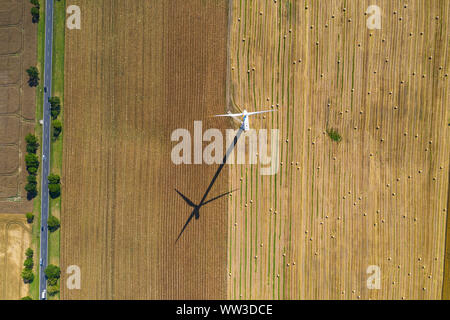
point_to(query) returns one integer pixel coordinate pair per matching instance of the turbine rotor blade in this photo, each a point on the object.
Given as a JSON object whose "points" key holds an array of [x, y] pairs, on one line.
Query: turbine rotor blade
{"points": [[258, 112], [230, 115]]}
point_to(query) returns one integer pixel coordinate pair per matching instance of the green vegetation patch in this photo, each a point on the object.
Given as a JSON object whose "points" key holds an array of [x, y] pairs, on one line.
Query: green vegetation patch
{"points": [[334, 135]]}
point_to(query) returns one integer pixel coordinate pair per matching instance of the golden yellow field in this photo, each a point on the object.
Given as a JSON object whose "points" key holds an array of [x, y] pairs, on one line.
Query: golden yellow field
{"points": [[15, 238], [378, 197]]}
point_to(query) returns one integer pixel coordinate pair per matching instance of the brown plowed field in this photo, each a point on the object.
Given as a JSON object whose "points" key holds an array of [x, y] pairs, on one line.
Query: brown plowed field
{"points": [[8, 186], [9, 161], [9, 100], [9, 130], [11, 12], [17, 101], [379, 197], [136, 71], [10, 70], [11, 40]]}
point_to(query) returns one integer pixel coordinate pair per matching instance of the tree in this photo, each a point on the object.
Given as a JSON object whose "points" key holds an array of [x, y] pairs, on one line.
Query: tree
{"points": [[31, 190], [55, 106], [54, 190], [35, 3], [35, 14], [29, 253], [32, 179], [33, 74], [32, 143], [53, 178], [57, 128], [55, 111], [54, 187], [28, 263], [31, 161], [30, 217], [27, 275], [32, 171], [53, 223], [30, 187], [52, 281], [26, 298], [54, 101], [52, 272], [52, 290]]}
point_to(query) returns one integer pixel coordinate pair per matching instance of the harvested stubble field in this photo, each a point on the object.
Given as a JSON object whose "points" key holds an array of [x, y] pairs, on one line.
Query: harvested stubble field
{"points": [[17, 101], [378, 197], [136, 71], [15, 238]]}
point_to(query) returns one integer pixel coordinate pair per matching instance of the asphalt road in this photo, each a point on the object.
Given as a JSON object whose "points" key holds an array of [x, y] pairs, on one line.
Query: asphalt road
{"points": [[45, 161]]}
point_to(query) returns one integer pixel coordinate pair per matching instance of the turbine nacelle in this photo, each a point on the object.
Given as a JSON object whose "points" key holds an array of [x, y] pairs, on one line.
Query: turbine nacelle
{"points": [[245, 122]]}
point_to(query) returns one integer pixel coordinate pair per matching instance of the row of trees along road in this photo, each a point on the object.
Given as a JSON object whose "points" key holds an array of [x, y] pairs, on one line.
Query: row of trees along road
{"points": [[32, 164]]}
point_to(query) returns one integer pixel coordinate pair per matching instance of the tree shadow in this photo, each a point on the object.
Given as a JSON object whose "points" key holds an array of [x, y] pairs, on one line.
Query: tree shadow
{"points": [[196, 211]]}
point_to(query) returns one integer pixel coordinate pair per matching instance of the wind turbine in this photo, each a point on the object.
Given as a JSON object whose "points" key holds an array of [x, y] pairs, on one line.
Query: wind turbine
{"points": [[245, 122]]}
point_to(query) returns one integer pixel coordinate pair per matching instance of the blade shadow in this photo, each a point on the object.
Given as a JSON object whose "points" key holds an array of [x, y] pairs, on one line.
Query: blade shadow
{"points": [[220, 196], [196, 212], [189, 202]]}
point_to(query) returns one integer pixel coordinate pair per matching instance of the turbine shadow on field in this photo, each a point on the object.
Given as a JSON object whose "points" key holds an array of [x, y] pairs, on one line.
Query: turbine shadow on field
{"points": [[196, 212]]}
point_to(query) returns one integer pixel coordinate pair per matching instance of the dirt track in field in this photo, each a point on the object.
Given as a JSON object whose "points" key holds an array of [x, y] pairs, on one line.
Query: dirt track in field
{"points": [[379, 197], [17, 101], [136, 71]]}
